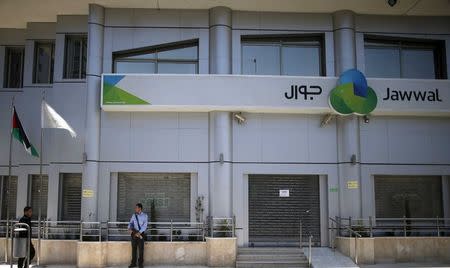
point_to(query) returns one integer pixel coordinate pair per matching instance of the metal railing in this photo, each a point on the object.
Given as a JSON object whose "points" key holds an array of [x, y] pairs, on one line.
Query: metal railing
{"points": [[118, 231], [337, 226], [159, 231], [310, 250], [374, 227], [310, 237], [222, 227]]}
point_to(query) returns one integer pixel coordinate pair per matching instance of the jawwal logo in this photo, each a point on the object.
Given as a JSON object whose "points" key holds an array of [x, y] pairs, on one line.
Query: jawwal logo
{"points": [[353, 95], [114, 95]]}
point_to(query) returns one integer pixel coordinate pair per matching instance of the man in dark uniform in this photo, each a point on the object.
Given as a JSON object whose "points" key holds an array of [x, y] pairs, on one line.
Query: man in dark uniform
{"points": [[27, 212]]}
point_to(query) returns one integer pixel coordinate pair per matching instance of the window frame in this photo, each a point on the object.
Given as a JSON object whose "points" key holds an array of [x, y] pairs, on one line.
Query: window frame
{"points": [[288, 41], [84, 39], [51, 65], [44, 197], [7, 62], [156, 50], [437, 46], [61, 196]]}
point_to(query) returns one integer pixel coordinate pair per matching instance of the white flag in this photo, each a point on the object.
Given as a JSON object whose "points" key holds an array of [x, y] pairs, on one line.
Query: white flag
{"points": [[51, 119]]}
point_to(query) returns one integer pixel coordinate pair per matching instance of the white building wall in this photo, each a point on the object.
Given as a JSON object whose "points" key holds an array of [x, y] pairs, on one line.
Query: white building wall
{"points": [[178, 142]]}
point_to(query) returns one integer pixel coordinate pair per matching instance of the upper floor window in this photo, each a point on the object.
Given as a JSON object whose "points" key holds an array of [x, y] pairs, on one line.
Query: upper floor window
{"points": [[177, 58], [409, 58], [44, 53], [283, 55], [13, 67], [75, 57]]}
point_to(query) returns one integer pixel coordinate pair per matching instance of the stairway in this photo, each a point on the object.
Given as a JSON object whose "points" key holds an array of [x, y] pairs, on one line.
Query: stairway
{"points": [[271, 257]]}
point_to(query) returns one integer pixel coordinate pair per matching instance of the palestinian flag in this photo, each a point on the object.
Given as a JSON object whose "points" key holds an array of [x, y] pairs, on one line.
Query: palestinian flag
{"points": [[21, 136]]}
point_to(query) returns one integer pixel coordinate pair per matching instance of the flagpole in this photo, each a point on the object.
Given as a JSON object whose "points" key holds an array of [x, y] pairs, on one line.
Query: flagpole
{"points": [[9, 177], [40, 187]]}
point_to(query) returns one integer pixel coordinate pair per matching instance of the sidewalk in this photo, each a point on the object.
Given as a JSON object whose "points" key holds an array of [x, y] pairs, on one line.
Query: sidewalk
{"points": [[73, 266], [404, 265]]}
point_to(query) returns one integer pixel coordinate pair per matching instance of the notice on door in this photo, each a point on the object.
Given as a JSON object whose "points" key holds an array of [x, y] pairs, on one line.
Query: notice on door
{"points": [[284, 193]]}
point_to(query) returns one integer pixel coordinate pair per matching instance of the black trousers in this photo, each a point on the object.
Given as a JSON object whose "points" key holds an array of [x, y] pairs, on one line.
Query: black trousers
{"points": [[21, 261], [137, 244]]}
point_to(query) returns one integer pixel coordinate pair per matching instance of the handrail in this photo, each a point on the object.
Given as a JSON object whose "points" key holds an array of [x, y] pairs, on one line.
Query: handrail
{"points": [[357, 235], [309, 252], [346, 228]]}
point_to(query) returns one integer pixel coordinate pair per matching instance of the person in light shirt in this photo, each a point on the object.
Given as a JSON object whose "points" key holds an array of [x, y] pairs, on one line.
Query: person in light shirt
{"points": [[137, 227]]}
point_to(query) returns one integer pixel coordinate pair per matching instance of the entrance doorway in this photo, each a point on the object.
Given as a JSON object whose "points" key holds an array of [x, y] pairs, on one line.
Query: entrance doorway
{"points": [[277, 203]]}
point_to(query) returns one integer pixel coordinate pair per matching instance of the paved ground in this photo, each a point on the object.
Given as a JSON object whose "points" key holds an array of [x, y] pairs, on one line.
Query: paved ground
{"points": [[326, 258], [321, 258], [73, 266], [404, 265]]}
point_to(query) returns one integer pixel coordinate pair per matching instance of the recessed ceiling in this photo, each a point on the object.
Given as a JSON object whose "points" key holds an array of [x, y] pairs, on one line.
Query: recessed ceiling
{"points": [[16, 13]]}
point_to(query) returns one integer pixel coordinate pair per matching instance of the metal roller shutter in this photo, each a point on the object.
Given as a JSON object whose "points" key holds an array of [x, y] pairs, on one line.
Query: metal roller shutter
{"points": [[171, 193], [410, 196], [277, 219], [71, 197], [33, 196], [12, 202]]}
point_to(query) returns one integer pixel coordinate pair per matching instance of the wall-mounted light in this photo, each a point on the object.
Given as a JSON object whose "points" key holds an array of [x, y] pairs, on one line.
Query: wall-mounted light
{"points": [[239, 118], [366, 119], [221, 158], [391, 3], [353, 159]]}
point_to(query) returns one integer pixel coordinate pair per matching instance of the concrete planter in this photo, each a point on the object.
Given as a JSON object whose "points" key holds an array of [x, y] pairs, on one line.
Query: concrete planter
{"points": [[221, 252], [218, 252], [396, 249]]}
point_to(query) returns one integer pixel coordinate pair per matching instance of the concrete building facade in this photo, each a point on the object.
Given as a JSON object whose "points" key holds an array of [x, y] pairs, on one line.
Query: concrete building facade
{"points": [[178, 156]]}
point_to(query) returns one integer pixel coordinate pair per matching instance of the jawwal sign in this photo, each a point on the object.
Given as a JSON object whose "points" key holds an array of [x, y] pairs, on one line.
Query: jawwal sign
{"points": [[350, 93]]}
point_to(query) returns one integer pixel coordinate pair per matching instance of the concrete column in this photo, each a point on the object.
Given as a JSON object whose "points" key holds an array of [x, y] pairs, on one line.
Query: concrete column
{"points": [[92, 143], [348, 126], [221, 135]]}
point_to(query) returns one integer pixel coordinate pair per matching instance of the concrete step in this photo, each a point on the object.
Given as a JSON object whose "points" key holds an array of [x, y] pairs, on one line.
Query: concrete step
{"points": [[268, 250], [271, 264], [271, 257], [265, 257]]}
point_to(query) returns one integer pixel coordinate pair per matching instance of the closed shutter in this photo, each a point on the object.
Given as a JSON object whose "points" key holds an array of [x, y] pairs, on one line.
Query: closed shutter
{"points": [[10, 201], [277, 219], [410, 196], [70, 197], [33, 199], [171, 193]]}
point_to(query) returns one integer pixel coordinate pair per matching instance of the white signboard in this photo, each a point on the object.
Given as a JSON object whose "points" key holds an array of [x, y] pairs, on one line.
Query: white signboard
{"points": [[265, 94], [284, 193]]}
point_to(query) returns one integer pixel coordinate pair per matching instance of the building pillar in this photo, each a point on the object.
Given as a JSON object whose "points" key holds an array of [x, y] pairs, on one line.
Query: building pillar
{"points": [[221, 122], [92, 143], [348, 126]]}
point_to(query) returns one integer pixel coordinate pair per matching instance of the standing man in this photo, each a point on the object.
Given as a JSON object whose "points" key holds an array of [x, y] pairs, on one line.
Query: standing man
{"points": [[27, 213], [137, 228]]}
